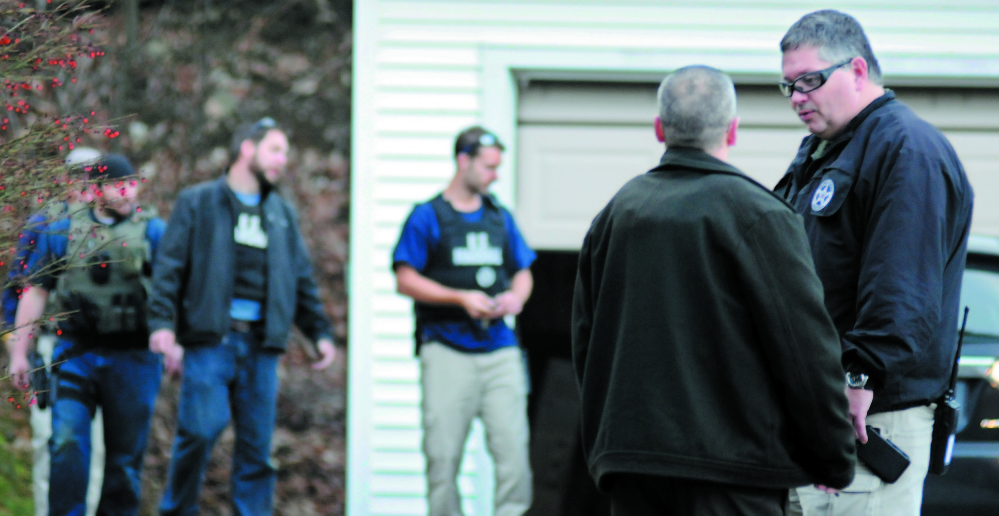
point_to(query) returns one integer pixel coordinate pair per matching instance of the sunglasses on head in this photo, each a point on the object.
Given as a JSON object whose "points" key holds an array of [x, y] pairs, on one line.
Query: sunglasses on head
{"points": [[484, 140], [264, 123]]}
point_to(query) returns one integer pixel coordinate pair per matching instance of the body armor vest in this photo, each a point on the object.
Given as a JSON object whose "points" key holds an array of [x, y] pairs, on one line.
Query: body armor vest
{"points": [[468, 256], [103, 289]]}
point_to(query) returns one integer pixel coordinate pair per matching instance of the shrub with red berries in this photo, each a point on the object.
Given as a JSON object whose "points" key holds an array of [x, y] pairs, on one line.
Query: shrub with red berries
{"points": [[42, 118]]}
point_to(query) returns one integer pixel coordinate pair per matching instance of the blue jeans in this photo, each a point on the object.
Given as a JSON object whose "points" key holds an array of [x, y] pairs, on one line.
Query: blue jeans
{"points": [[235, 379], [124, 383]]}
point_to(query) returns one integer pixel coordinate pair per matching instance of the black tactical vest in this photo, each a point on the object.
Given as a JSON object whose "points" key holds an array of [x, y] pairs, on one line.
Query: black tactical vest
{"points": [[468, 256]]}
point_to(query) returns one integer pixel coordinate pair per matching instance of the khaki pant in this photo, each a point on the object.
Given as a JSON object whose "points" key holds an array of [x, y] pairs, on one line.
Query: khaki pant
{"points": [[458, 387], [41, 430], [911, 430]]}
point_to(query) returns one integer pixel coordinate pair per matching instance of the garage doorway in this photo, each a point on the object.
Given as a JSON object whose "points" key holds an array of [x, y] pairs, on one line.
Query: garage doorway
{"points": [[578, 143]]}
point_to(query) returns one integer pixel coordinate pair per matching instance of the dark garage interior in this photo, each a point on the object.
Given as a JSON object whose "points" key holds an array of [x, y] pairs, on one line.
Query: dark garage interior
{"points": [[562, 486]]}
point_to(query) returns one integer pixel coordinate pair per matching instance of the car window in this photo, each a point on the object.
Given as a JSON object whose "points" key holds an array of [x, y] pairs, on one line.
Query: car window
{"points": [[980, 291]]}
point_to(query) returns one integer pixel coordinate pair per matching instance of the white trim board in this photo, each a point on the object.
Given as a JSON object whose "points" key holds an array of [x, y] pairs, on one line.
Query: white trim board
{"points": [[361, 271]]}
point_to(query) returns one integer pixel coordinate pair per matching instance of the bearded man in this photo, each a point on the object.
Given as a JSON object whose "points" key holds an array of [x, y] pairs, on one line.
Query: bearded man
{"points": [[91, 265], [235, 276]]}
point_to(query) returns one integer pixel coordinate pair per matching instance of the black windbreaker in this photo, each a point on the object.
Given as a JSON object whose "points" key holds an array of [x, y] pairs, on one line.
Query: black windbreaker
{"points": [[887, 209]]}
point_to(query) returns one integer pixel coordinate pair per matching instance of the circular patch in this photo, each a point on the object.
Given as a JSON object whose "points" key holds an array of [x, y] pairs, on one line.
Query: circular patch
{"points": [[823, 194], [485, 277]]}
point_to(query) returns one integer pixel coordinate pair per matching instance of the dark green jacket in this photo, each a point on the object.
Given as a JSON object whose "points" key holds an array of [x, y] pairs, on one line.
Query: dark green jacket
{"points": [[699, 336]]}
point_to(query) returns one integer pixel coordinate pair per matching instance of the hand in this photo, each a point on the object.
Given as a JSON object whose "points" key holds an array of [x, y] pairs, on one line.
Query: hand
{"points": [[827, 490], [508, 303], [164, 342], [478, 304], [860, 402], [173, 361], [327, 352], [18, 372]]}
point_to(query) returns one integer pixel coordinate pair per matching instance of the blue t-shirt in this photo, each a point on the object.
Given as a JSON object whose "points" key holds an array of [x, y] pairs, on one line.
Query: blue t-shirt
{"points": [[25, 245], [420, 233], [246, 309]]}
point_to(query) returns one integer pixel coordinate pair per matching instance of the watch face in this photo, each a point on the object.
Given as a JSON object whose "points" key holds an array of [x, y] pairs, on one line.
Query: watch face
{"points": [[856, 381]]}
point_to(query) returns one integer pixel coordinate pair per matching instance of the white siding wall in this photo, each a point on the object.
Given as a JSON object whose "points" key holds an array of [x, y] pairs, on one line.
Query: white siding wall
{"points": [[424, 70]]}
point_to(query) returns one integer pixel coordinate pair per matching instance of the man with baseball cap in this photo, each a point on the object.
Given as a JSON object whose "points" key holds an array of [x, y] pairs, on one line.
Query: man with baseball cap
{"points": [[78, 164], [96, 262]]}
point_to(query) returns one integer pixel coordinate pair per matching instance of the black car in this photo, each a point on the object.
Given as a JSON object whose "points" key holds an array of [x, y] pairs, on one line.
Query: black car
{"points": [[971, 486]]}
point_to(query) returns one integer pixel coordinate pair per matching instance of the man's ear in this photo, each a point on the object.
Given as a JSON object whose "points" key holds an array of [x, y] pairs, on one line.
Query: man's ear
{"points": [[462, 160], [860, 72], [660, 134], [247, 148], [733, 130]]}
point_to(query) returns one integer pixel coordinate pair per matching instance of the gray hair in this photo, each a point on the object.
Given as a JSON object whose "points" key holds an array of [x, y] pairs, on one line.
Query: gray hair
{"points": [[696, 106], [837, 36]]}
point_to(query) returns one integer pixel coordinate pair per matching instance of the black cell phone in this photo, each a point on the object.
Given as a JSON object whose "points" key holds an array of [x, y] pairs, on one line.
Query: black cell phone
{"points": [[882, 457]]}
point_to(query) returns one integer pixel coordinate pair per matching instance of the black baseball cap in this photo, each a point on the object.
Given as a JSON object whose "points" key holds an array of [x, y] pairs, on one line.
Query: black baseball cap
{"points": [[112, 166]]}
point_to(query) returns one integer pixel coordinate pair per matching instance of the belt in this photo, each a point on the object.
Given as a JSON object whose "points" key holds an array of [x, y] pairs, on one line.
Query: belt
{"points": [[240, 326]]}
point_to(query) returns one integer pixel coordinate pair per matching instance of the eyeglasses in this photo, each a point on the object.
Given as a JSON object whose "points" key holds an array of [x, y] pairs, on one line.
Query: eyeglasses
{"points": [[810, 81], [484, 140]]}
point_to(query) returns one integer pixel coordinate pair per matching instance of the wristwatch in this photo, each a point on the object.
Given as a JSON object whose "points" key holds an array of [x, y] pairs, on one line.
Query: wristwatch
{"points": [[856, 380]]}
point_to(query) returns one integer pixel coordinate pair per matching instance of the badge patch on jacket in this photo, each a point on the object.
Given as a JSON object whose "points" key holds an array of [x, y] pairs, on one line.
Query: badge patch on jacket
{"points": [[823, 195]]}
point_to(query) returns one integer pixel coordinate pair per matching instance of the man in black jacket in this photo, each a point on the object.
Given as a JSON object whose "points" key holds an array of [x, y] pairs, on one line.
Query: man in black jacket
{"points": [[231, 277], [887, 209], [708, 367]]}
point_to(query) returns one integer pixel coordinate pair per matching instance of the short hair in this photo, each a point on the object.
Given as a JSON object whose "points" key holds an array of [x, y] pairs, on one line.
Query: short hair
{"points": [[470, 140], [696, 107], [254, 132], [837, 37]]}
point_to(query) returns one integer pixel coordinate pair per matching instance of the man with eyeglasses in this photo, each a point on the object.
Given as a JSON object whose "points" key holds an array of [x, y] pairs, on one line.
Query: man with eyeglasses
{"points": [[232, 276], [887, 208], [464, 262]]}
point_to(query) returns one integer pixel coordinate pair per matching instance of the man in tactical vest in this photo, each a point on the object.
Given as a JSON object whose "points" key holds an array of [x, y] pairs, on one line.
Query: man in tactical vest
{"points": [[462, 259], [97, 262], [78, 162], [231, 278]]}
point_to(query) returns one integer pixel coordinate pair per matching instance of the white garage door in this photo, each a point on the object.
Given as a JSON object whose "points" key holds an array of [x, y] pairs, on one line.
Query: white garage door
{"points": [[578, 143]]}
